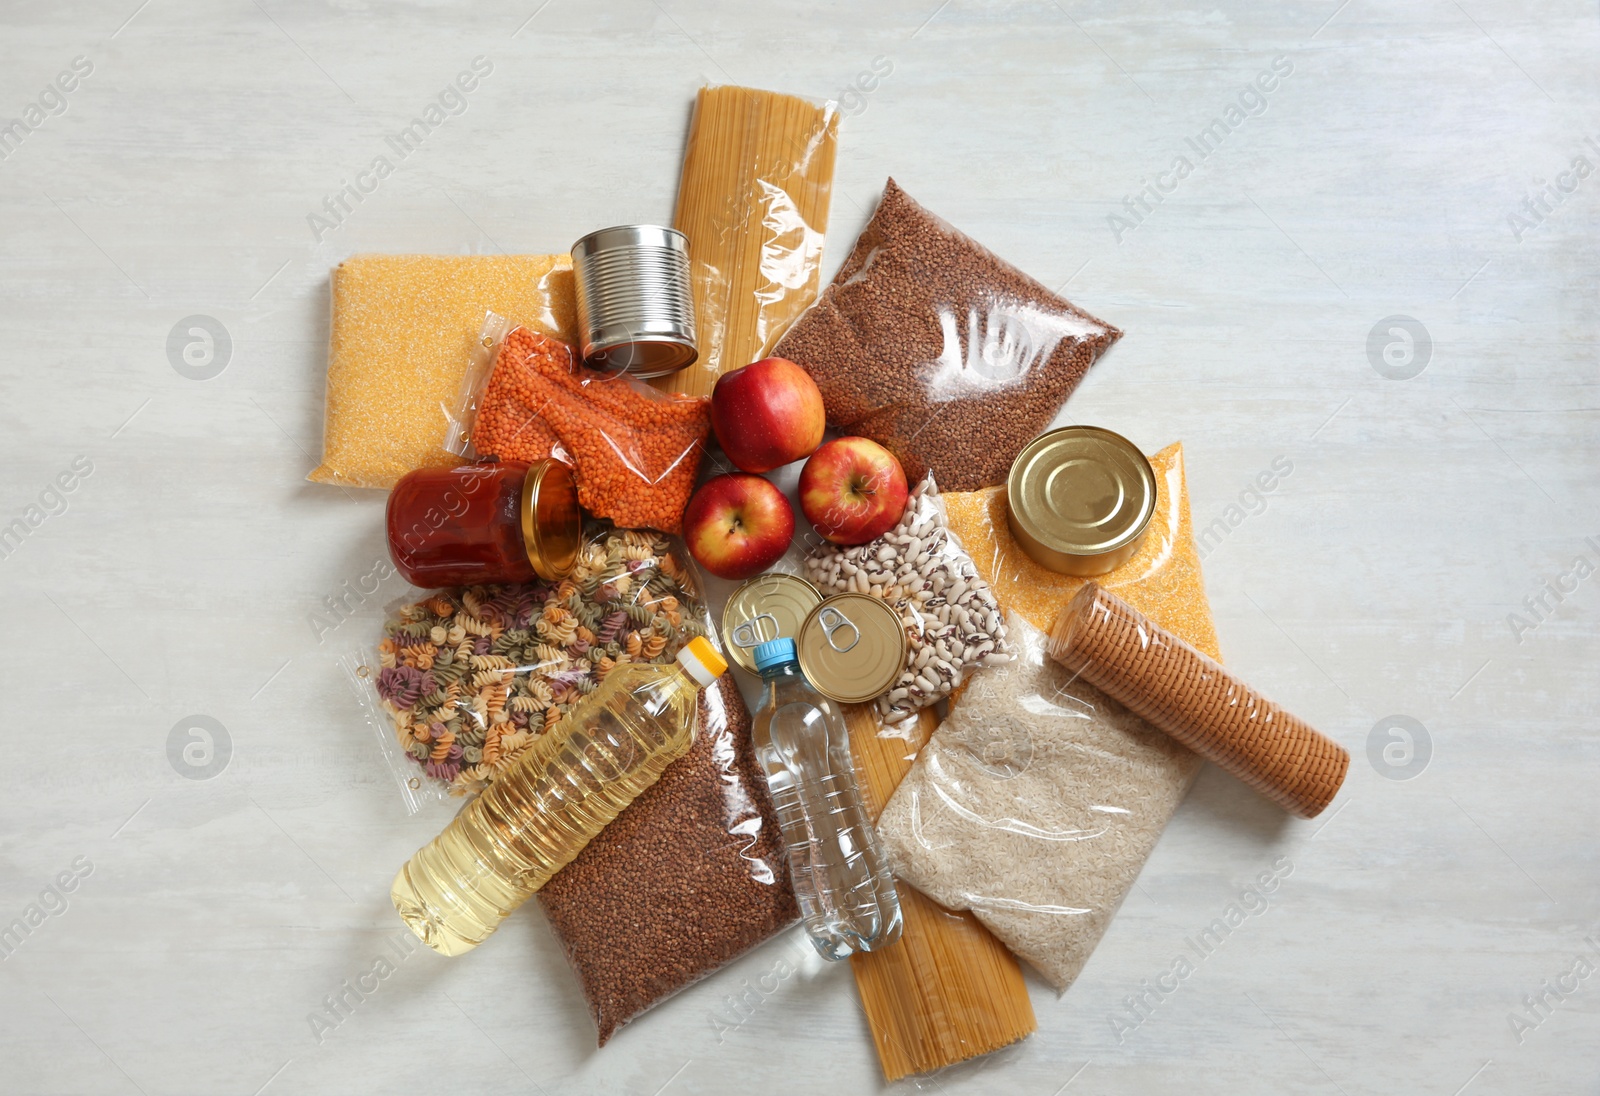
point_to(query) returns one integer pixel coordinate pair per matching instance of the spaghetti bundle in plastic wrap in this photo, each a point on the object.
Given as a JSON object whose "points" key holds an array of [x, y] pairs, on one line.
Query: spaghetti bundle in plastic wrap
{"points": [[635, 450], [950, 357], [953, 624], [469, 678], [753, 200], [1035, 805]]}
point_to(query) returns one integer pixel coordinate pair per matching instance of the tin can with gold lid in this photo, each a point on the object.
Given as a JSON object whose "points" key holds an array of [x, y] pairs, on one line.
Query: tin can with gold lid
{"points": [[1079, 498], [852, 647], [769, 606]]}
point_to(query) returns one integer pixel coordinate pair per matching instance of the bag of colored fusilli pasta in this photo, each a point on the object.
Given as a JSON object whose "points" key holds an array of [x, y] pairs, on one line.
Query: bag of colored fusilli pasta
{"points": [[465, 680]]}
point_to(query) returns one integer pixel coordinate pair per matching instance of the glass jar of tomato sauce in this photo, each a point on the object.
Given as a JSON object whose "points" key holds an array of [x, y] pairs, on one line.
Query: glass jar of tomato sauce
{"points": [[507, 522]]}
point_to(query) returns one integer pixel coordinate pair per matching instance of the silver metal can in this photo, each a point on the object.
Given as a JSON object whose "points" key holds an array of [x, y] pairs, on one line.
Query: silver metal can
{"points": [[635, 300]]}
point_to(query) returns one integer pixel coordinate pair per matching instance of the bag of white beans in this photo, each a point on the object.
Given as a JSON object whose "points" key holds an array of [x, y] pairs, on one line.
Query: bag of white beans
{"points": [[953, 623]]}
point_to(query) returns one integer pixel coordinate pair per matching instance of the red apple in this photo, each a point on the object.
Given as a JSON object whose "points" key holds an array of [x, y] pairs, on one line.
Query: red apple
{"points": [[737, 525], [767, 414], [853, 490]]}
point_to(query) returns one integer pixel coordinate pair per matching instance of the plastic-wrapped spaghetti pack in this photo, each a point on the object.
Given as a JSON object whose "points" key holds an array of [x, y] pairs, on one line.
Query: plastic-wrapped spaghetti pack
{"points": [[753, 200], [947, 990]]}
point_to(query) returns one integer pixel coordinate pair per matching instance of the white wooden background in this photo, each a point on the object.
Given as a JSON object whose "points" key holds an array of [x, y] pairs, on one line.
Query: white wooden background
{"points": [[214, 915]]}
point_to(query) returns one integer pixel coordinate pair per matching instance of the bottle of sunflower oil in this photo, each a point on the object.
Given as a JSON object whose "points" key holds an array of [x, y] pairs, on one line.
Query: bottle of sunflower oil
{"points": [[530, 823]]}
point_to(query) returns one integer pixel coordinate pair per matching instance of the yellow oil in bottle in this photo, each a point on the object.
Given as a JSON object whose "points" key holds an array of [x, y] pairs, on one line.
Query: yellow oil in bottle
{"points": [[536, 818]]}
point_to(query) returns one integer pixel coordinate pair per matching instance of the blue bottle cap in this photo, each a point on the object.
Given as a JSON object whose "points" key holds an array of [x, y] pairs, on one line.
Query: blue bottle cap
{"points": [[774, 652]]}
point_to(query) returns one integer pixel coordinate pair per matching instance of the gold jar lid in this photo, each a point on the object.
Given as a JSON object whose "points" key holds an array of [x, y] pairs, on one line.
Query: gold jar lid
{"points": [[552, 523], [769, 606], [852, 647], [1079, 498]]}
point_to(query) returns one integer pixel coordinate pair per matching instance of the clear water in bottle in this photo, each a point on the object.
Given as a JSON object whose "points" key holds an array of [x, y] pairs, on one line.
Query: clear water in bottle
{"points": [[841, 879], [530, 823]]}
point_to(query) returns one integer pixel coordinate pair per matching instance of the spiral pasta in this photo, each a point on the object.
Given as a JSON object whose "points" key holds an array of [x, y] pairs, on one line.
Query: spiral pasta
{"points": [[472, 677]]}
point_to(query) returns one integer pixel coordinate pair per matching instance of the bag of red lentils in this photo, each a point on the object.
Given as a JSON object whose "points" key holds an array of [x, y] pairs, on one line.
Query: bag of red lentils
{"points": [[945, 354], [635, 449]]}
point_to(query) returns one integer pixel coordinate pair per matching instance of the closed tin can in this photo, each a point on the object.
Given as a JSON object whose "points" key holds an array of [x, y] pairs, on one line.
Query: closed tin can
{"points": [[769, 606], [1079, 498], [635, 300], [852, 648]]}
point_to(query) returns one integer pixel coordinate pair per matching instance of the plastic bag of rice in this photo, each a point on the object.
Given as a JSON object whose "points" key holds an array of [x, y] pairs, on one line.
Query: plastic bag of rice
{"points": [[1035, 805]]}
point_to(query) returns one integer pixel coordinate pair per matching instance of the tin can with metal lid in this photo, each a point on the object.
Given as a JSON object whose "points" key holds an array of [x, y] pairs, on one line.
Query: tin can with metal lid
{"points": [[769, 606], [852, 648], [635, 300], [1079, 498]]}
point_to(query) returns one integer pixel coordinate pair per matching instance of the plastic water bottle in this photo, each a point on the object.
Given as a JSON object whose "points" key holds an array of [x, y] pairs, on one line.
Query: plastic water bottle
{"points": [[841, 878], [530, 823]]}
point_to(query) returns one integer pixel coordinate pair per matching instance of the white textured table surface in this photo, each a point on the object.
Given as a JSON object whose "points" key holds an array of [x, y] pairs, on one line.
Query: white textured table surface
{"points": [[1384, 176]]}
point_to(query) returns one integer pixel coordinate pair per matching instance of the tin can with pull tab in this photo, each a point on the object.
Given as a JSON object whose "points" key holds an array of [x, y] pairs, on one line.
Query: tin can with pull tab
{"points": [[852, 648], [769, 606]]}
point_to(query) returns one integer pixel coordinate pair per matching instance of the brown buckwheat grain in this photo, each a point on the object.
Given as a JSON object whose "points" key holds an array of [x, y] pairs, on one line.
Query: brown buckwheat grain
{"points": [[948, 356], [689, 877]]}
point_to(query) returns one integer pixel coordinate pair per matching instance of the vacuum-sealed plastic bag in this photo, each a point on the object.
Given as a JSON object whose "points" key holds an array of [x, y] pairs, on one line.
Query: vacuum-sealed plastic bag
{"points": [[635, 450], [953, 624], [1035, 805], [466, 679], [685, 880], [1162, 579], [948, 356], [402, 333], [753, 200]]}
